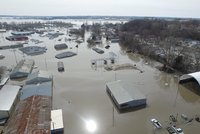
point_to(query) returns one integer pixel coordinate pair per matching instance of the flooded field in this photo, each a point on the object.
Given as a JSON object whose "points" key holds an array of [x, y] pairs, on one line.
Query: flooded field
{"points": [[80, 91]]}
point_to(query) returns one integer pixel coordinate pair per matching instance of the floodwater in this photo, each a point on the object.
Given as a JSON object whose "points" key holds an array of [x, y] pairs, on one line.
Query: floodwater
{"points": [[80, 91]]}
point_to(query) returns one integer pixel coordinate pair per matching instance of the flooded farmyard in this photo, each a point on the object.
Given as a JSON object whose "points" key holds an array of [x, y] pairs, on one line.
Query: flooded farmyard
{"points": [[80, 90]]}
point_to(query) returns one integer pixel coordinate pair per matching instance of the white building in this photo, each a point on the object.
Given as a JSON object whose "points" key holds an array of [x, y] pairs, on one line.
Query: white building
{"points": [[57, 122], [8, 100], [125, 98]]}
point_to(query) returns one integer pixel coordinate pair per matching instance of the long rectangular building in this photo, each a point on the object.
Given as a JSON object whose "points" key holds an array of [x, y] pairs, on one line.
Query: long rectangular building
{"points": [[8, 98], [125, 98], [31, 116]]}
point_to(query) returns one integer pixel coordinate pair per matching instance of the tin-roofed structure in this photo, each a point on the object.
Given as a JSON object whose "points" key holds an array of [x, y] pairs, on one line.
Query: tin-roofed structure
{"points": [[22, 33], [60, 46], [125, 98], [39, 77], [33, 50], [23, 69], [44, 89], [9, 95], [31, 116], [65, 55], [17, 38]]}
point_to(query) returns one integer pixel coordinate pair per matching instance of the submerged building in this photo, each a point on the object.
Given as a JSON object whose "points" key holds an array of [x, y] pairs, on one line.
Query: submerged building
{"points": [[57, 126], [60, 46], [31, 116], [39, 77], [17, 38], [125, 99], [33, 50], [45, 89], [65, 55], [23, 69], [9, 95], [22, 33]]}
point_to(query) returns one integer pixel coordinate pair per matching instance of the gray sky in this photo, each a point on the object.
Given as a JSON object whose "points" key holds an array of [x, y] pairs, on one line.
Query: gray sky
{"points": [[162, 8]]}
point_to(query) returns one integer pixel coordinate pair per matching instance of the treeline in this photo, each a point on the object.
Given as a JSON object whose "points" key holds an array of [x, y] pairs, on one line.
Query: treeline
{"points": [[161, 28], [33, 25], [168, 42]]}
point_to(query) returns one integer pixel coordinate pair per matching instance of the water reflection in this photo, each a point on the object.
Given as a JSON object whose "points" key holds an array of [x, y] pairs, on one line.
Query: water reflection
{"points": [[91, 125], [189, 91]]}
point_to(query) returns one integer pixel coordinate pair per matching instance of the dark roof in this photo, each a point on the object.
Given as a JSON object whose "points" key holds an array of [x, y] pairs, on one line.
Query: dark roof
{"points": [[31, 116]]}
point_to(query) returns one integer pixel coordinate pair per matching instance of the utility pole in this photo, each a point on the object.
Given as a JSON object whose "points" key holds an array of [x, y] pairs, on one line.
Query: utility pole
{"points": [[113, 119]]}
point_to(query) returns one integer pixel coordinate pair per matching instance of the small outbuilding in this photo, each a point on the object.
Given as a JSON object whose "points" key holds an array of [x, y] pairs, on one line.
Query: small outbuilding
{"points": [[65, 55], [23, 69], [125, 99], [57, 126], [39, 77], [9, 95], [61, 46]]}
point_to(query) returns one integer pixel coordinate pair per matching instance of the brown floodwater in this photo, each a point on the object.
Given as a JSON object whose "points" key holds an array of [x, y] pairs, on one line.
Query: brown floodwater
{"points": [[80, 91]]}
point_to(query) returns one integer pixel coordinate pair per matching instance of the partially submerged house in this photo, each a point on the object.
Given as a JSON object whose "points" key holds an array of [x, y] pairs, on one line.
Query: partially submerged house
{"points": [[125, 99], [9, 95], [23, 69], [39, 77], [57, 126], [44, 89], [31, 116]]}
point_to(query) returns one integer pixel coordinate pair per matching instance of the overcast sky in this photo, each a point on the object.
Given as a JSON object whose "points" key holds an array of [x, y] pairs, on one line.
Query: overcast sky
{"points": [[162, 8]]}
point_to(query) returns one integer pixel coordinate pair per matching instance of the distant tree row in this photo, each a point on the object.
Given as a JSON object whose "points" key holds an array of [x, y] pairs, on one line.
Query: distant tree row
{"points": [[161, 28], [33, 25], [165, 41]]}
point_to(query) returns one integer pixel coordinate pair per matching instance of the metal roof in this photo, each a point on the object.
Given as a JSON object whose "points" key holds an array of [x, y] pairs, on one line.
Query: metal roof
{"points": [[44, 89], [65, 55], [56, 119], [195, 75], [39, 77], [24, 66], [3, 81], [31, 116], [123, 95], [8, 94]]}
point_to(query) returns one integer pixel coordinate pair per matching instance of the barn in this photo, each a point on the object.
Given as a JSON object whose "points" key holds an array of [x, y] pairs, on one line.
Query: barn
{"points": [[125, 99]]}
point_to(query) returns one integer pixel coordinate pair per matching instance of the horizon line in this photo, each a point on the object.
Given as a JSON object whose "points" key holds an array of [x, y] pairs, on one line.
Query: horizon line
{"points": [[127, 16]]}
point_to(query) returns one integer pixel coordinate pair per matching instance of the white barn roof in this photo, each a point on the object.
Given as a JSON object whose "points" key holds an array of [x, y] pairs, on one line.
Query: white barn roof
{"points": [[195, 75], [56, 120], [8, 94], [124, 95]]}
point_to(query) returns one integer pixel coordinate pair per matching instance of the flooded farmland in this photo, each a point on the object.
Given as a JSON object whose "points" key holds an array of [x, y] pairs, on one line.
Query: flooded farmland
{"points": [[80, 91]]}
